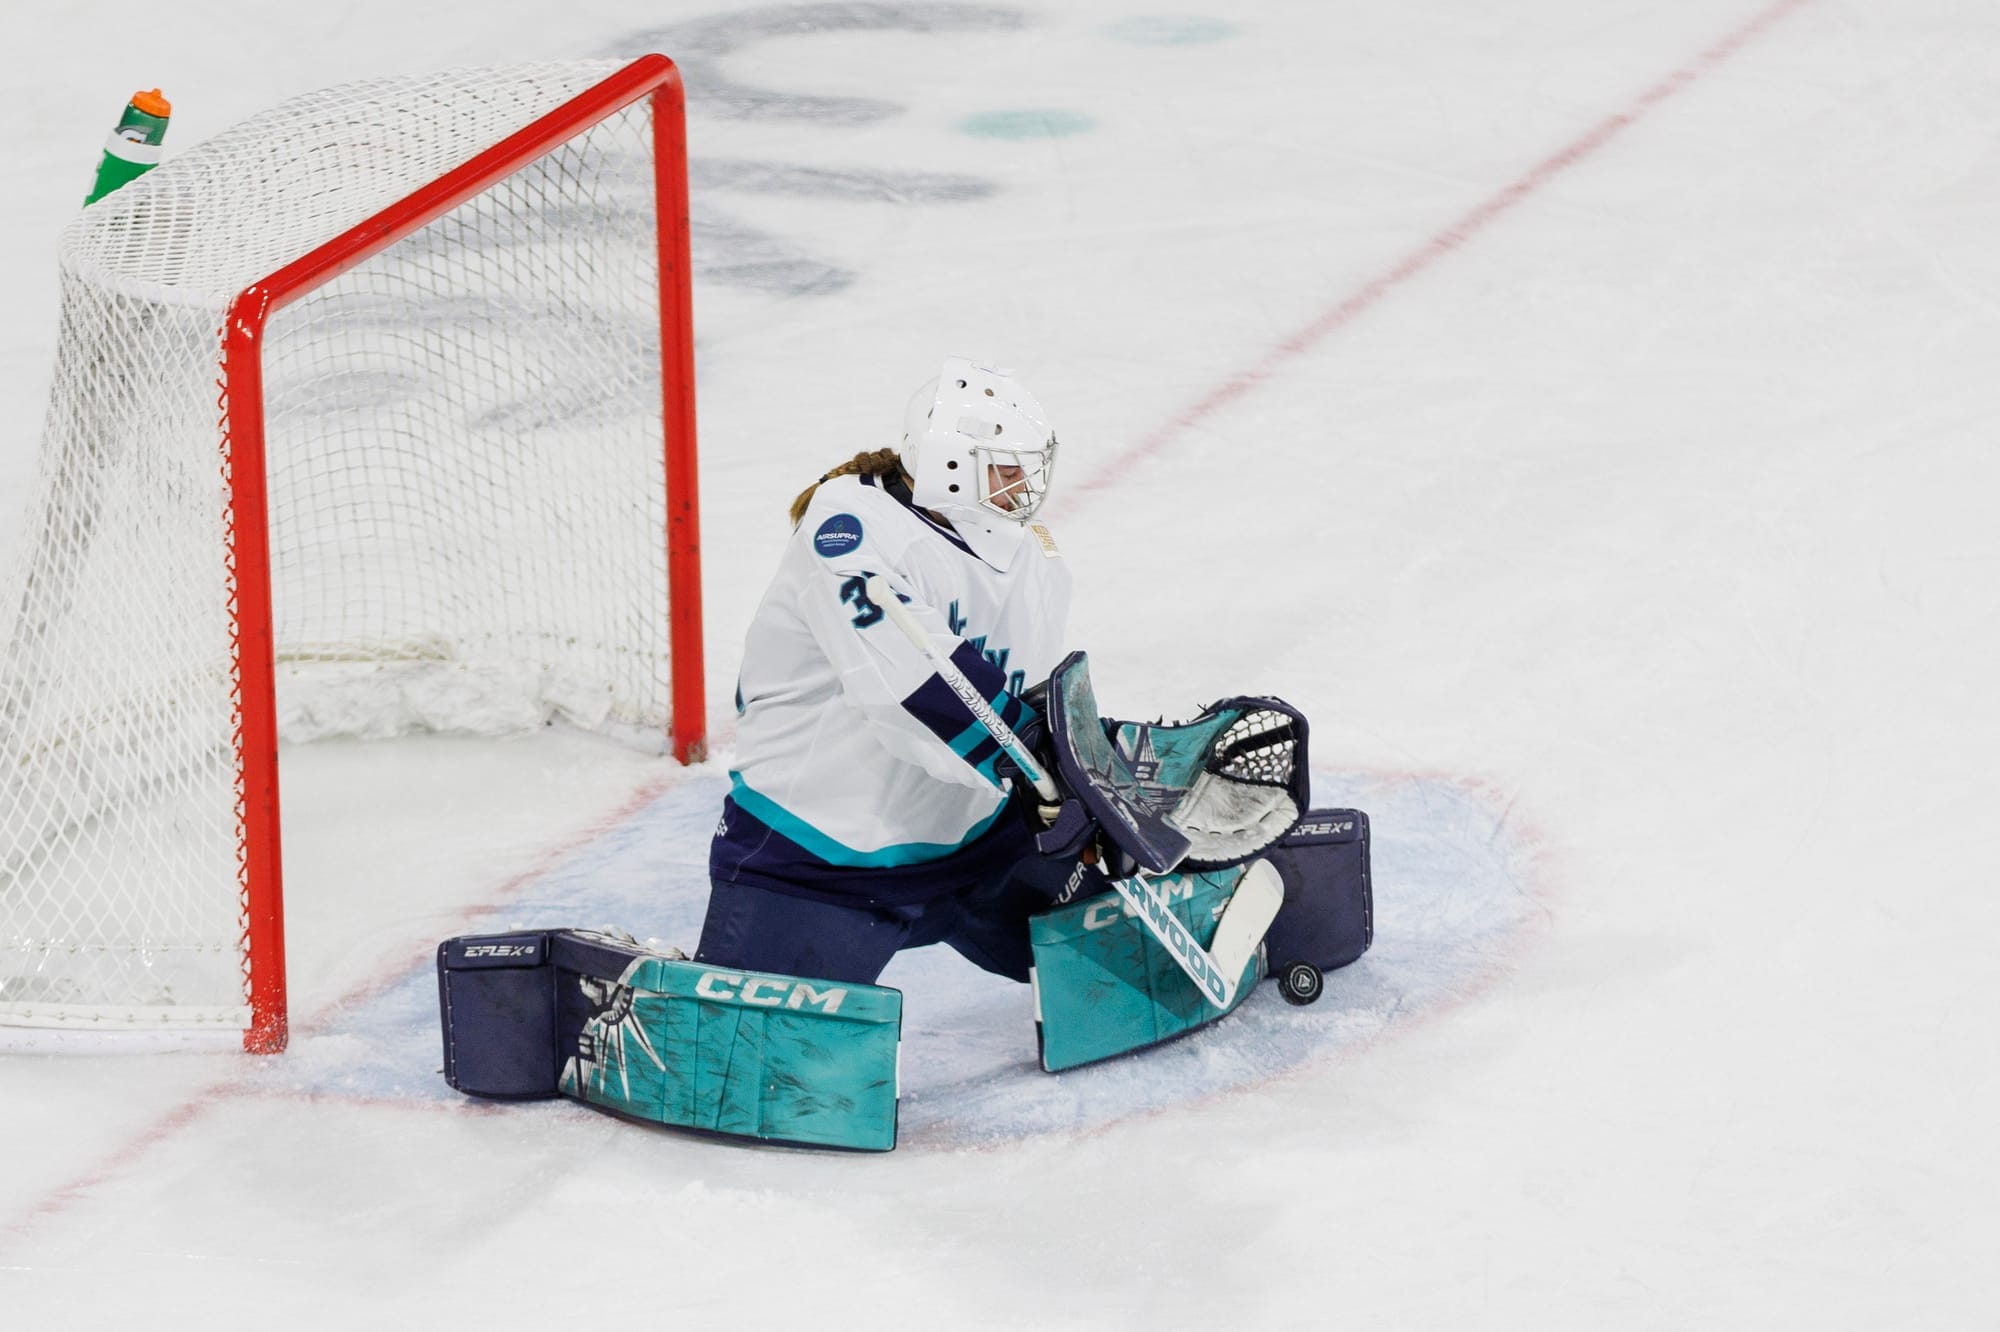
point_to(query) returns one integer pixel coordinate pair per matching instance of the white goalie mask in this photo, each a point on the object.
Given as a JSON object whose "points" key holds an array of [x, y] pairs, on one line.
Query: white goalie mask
{"points": [[979, 451]]}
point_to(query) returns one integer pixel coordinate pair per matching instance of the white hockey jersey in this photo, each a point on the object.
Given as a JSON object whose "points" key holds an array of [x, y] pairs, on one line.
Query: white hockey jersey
{"points": [[860, 775]]}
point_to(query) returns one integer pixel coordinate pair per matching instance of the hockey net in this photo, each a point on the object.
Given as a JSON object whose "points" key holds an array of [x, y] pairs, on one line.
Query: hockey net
{"points": [[371, 415]]}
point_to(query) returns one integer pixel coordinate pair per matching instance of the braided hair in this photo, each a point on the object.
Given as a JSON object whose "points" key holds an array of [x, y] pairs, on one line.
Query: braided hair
{"points": [[876, 462]]}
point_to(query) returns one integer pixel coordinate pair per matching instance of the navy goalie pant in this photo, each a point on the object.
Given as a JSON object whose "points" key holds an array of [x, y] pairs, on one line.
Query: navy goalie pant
{"points": [[757, 929]]}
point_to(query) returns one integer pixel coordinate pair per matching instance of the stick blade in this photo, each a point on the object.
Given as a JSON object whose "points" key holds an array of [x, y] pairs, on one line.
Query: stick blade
{"points": [[1247, 918]]}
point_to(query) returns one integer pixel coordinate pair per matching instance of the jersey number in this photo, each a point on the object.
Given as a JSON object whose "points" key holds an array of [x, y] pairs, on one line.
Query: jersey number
{"points": [[855, 592]]}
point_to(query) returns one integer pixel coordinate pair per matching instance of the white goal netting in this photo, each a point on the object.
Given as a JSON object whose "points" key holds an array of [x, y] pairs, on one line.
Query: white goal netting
{"points": [[465, 493]]}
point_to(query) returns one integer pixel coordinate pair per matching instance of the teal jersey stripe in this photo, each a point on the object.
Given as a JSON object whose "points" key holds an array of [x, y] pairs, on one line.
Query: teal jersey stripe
{"points": [[970, 739], [787, 824], [975, 735]]}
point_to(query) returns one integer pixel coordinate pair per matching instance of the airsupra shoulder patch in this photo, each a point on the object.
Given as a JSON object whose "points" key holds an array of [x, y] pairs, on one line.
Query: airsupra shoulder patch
{"points": [[837, 535]]}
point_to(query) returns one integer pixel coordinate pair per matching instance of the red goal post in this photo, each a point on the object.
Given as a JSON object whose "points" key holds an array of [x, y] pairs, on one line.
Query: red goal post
{"points": [[508, 354]]}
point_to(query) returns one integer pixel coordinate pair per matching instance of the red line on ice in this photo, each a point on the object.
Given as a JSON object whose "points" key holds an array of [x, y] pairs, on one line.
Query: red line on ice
{"points": [[389, 976], [1419, 260]]}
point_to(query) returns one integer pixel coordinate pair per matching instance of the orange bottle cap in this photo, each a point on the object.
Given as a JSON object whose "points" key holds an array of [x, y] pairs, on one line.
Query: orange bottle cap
{"points": [[152, 103]]}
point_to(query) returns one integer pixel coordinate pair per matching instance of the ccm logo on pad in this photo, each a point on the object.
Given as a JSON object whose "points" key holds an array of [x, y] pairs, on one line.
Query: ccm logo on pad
{"points": [[766, 991], [502, 950]]}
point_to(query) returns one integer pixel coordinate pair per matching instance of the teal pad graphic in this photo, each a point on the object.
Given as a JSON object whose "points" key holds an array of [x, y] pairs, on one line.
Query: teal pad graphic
{"points": [[778, 1058], [1105, 986], [1173, 755]]}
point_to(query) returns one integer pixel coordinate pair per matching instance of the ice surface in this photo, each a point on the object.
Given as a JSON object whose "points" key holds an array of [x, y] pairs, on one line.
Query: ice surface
{"points": [[1581, 410]]}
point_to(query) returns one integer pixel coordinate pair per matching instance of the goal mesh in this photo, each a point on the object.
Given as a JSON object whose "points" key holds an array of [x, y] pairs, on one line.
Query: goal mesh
{"points": [[464, 470]]}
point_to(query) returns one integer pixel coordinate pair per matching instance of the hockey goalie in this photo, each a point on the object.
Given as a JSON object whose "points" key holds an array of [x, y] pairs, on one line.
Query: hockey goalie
{"points": [[899, 783]]}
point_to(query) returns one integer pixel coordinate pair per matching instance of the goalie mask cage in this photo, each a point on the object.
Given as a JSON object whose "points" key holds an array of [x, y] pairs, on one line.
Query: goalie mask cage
{"points": [[373, 414]]}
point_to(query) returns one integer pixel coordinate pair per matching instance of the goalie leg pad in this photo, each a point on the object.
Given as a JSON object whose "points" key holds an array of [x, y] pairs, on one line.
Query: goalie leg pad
{"points": [[497, 999], [1104, 986], [1328, 918], [658, 1038]]}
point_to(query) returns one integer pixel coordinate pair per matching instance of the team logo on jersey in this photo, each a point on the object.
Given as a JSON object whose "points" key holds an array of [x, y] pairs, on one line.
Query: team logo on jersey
{"points": [[837, 535]]}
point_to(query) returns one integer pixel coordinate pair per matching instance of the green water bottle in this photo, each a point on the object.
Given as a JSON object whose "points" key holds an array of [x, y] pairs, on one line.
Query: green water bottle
{"points": [[134, 147]]}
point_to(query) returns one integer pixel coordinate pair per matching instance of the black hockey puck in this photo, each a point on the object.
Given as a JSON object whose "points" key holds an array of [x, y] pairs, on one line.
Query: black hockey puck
{"points": [[1301, 983]]}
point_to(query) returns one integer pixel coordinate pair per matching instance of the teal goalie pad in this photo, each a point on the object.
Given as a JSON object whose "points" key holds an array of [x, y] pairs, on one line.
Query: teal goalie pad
{"points": [[1105, 986], [756, 1055]]}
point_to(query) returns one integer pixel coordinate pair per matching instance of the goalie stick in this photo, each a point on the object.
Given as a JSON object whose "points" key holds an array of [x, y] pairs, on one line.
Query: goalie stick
{"points": [[1215, 970], [884, 596]]}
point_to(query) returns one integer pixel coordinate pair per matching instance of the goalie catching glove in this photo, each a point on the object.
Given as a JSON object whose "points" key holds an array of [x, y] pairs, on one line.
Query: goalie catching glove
{"points": [[1213, 791]]}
